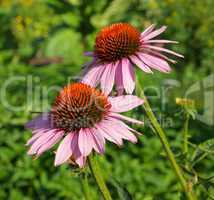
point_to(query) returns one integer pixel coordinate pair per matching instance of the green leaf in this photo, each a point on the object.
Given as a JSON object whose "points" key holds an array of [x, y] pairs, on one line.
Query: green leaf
{"points": [[207, 146]]}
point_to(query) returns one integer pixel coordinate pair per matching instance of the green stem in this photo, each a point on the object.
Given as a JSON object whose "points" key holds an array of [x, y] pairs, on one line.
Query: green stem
{"points": [[185, 134], [85, 187], [95, 169], [199, 159], [165, 145]]}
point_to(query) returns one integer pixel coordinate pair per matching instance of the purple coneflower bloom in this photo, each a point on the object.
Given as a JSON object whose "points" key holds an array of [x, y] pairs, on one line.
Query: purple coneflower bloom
{"points": [[83, 118], [120, 46]]}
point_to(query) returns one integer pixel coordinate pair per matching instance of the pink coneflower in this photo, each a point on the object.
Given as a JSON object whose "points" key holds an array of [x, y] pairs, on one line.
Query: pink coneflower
{"points": [[120, 46], [84, 118]]}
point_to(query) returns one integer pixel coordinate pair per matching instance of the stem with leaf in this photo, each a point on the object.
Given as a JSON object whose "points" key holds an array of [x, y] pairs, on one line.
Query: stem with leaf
{"points": [[165, 144], [95, 169]]}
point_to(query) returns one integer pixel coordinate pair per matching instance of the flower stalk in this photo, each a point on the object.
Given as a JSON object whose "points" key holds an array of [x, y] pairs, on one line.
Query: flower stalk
{"points": [[95, 169], [165, 144], [85, 186], [185, 134]]}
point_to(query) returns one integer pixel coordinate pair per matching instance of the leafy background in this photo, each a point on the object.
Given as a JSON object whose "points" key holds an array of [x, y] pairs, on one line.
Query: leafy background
{"points": [[46, 39]]}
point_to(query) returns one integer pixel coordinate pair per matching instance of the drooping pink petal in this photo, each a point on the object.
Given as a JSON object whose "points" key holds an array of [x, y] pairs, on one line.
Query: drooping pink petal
{"points": [[107, 133], [50, 143], [154, 62], [93, 75], [154, 33], [99, 141], [128, 76], [118, 117], [44, 130], [34, 138], [124, 103], [140, 64], [134, 131], [79, 158], [147, 30], [66, 148], [122, 117], [119, 78], [160, 41], [39, 122], [162, 49], [85, 141], [157, 54], [81, 161], [121, 129], [107, 78], [115, 116], [40, 141]]}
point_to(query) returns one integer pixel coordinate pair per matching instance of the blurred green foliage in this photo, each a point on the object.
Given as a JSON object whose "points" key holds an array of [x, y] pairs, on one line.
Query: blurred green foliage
{"points": [[46, 39]]}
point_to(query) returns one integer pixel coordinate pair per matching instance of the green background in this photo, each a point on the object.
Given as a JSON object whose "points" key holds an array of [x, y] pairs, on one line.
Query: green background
{"points": [[45, 40]]}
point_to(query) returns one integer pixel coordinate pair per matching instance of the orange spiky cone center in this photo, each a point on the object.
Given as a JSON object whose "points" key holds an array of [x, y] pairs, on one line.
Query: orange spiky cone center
{"points": [[117, 41], [79, 106]]}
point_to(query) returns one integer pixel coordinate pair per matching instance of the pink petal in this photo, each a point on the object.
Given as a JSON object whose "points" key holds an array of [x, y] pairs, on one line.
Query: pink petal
{"points": [[140, 64], [147, 30], [155, 62], [134, 131], [115, 116], [160, 41], [162, 49], [154, 53], [107, 78], [85, 141], [44, 130], [122, 129], [107, 133], [124, 103], [65, 149], [122, 117], [93, 75], [81, 161], [34, 138], [154, 33], [99, 141], [50, 143], [119, 78], [128, 76], [40, 141], [79, 158]]}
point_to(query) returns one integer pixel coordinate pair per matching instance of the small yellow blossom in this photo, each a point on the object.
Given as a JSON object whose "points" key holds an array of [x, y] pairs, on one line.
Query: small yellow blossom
{"points": [[185, 102]]}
